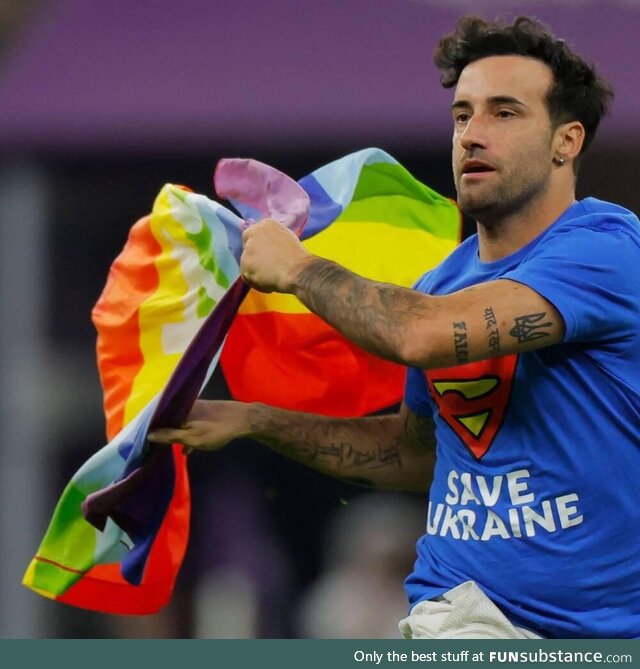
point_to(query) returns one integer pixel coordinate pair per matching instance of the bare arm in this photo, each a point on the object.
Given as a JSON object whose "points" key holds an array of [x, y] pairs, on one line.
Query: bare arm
{"points": [[409, 327], [394, 452], [406, 326]]}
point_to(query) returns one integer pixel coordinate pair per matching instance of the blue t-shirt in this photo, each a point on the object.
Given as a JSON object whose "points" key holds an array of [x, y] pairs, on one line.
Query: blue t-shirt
{"points": [[536, 490]]}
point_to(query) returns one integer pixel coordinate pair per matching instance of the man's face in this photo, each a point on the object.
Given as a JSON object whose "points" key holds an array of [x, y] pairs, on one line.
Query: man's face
{"points": [[502, 157]]}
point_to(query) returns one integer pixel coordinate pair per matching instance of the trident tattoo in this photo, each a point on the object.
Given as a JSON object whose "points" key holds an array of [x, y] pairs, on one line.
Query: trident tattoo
{"points": [[528, 328]]}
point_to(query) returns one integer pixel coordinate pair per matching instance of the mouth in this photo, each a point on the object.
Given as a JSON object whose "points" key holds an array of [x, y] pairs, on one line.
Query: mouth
{"points": [[476, 169]]}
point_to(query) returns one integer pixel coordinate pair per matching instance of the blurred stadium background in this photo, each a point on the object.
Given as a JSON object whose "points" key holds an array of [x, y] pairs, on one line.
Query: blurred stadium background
{"points": [[101, 103]]}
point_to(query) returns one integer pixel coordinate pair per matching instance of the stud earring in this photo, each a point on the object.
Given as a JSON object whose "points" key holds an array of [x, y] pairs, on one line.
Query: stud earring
{"points": [[559, 161]]}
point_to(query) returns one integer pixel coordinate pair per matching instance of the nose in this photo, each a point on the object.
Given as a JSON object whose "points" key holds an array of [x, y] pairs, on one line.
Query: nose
{"points": [[474, 133]]}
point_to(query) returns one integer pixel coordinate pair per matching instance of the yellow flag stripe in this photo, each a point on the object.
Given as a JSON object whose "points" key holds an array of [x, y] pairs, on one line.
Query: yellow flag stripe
{"points": [[368, 249]]}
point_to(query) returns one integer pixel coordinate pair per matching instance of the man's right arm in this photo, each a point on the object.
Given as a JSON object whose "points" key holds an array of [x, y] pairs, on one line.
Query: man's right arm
{"points": [[393, 452]]}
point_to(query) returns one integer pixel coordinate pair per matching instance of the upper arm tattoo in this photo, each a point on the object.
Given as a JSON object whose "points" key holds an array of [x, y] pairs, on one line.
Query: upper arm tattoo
{"points": [[491, 327], [461, 342], [528, 328]]}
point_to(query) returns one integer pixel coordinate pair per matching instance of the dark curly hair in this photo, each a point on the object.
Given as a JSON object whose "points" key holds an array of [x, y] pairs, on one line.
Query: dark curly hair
{"points": [[578, 92]]}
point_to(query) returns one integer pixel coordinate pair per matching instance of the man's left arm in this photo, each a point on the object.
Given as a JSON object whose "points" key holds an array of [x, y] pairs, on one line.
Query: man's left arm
{"points": [[399, 324]]}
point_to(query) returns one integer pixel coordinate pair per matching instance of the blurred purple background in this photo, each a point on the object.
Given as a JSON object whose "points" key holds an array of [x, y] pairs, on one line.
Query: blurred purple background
{"points": [[114, 74]]}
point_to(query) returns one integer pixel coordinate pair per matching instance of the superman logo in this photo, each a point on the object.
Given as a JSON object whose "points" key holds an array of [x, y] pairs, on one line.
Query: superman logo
{"points": [[473, 398]]}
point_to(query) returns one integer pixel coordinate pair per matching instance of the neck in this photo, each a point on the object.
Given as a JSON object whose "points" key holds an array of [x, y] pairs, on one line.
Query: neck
{"points": [[500, 236]]}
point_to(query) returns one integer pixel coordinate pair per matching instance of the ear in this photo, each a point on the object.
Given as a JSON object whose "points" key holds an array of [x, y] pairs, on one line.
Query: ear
{"points": [[568, 139]]}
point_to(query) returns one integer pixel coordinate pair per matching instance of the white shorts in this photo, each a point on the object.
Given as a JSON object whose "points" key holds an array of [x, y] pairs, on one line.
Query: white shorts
{"points": [[464, 612]]}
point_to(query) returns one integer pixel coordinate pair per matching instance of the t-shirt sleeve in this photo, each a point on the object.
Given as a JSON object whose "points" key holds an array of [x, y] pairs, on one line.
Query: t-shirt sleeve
{"points": [[592, 277]]}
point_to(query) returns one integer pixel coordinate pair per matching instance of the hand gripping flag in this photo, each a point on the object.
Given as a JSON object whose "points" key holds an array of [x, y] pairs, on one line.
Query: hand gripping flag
{"points": [[119, 532]]}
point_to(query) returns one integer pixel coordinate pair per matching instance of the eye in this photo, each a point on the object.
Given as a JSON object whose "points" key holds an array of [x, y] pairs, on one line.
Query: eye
{"points": [[505, 113], [461, 117]]}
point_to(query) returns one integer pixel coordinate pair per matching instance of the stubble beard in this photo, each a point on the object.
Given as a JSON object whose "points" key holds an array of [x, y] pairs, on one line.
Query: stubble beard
{"points": [[510, 196]]}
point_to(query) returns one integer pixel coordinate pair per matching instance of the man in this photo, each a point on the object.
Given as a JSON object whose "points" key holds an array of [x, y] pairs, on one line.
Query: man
{"points": [[523, 350]]}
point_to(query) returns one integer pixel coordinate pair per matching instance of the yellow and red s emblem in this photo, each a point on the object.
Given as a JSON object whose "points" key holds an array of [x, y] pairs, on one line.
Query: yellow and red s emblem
{"points": [[473, 399]]}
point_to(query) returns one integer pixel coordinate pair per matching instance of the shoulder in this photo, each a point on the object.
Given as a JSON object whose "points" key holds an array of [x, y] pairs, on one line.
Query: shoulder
{"points": [[591, 230], [598, 216], [586, 264]]}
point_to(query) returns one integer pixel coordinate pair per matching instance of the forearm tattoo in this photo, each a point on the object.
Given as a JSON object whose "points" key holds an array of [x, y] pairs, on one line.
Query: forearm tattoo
{"points": [[529, 328], [420, 432], [340, 447], [343, 454], [375, 315]]}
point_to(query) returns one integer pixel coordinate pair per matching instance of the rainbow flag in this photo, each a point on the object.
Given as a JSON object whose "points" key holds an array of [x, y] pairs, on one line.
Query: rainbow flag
{"points": [[120, 530]]}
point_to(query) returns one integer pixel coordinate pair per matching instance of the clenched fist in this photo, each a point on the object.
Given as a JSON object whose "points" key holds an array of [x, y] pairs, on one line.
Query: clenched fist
{"points": [[272, 258]]}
